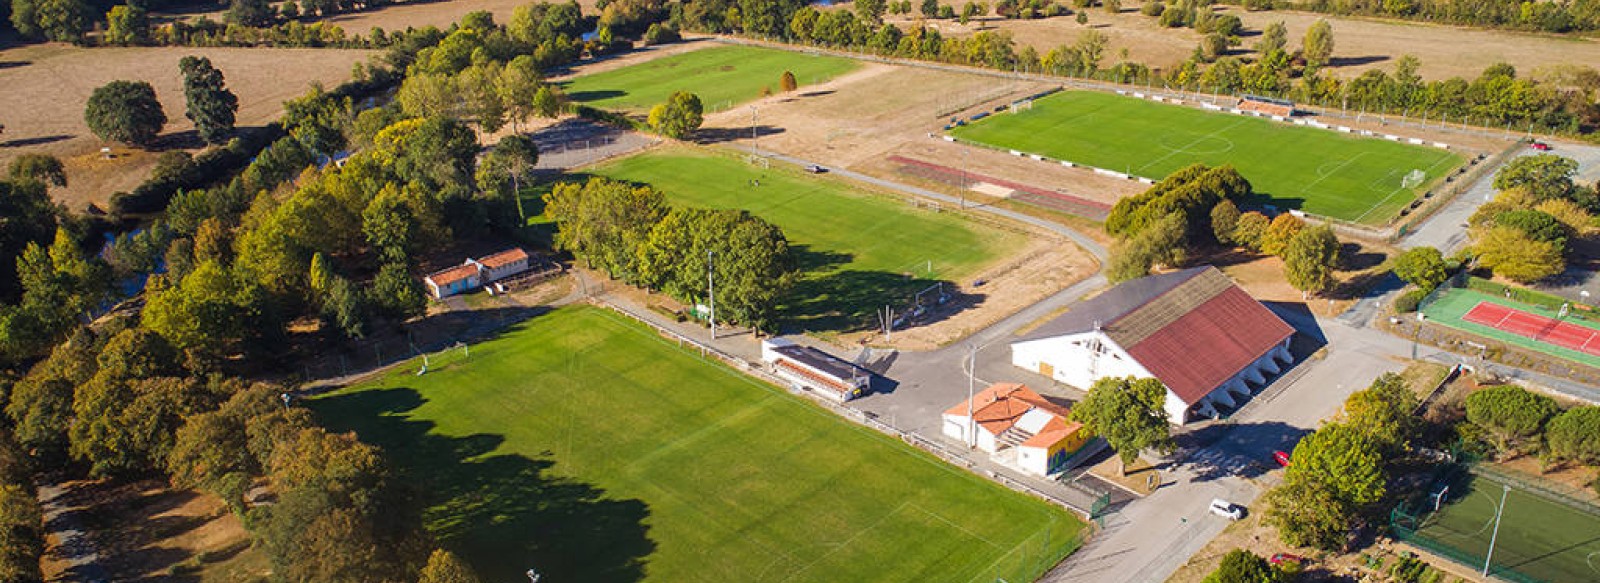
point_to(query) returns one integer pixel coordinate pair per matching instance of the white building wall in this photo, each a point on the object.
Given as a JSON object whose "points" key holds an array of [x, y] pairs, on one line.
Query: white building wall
{"points": [[1033, 460], [955, 427], [1070, 359]]}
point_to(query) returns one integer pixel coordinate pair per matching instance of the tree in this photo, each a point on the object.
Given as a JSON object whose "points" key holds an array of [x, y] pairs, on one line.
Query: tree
{"points": [[1283, 229], [603, 222], [1112, 6], [1212, 46], [1333, 472], [444, 567], [929, 8], [1511, 415], [1242, 566], [1251, 230], [1511, 253], [396, 294], [1309, 259], [1545, 176], [43, 168], [40, 405], [1576, 220], [1383, 411], [1082, 18], [21, 534], [679, 117], [786, 82], [125, 426], [1307, 514], [31, 219], [125, 111], [547, 102], [127, 25], [1161, 243], [1574, 435], [1224, 221], [1536, 225], [255, 13], [1422, 267], [506, 167], [1318, 44], [518, 87], [211, 106], [871, 11], [57, 20], [1129, 413]]}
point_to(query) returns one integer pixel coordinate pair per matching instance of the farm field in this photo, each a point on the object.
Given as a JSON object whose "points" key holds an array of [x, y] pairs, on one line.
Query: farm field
{"points": [[1539, 539], [723, 76], [585, 445], [1315, 170], [59, 78], [857, 248]]}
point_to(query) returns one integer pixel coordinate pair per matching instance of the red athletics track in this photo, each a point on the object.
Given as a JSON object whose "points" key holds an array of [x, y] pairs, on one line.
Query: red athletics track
{"points": [[1541, 328]]}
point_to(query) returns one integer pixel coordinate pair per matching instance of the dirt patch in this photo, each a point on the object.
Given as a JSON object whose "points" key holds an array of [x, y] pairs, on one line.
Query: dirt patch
{"points": [[147, 531], [59, 78], [1262, 276], [1253, 535], [1048, 264]]}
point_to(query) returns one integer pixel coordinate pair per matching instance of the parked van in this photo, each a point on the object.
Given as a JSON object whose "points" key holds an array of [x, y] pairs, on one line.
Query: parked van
{"points": [[1226, 509]]}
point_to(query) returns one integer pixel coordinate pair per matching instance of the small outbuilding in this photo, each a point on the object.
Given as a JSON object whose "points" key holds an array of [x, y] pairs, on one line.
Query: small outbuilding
{"points": [[1018, 427], [449, 282], [474, 273]]}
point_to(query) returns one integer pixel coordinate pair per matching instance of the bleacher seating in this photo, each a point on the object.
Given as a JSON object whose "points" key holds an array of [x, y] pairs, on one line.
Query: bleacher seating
{"points": [[1261, 105]]}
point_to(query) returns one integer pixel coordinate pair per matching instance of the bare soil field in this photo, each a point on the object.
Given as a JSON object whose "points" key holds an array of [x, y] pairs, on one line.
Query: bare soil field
{"points": [[1360, 44], [144, 531], [441, 14], [46, 115]]}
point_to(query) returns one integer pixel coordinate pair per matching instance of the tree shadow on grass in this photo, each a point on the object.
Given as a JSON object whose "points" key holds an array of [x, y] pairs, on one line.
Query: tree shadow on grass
{"points": [[847, 300], [503, 513]]}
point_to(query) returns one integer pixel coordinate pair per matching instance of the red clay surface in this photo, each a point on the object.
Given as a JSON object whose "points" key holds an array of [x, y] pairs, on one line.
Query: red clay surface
{"points": [[1082, 207], [1541, 328]]}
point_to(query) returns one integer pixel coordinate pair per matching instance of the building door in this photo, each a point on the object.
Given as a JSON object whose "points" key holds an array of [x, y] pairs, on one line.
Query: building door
{"points": [[1047, 369]]}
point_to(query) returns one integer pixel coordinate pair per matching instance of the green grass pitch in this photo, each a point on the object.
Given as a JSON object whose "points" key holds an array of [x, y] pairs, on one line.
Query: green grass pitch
{"points": [[1541, 540], [857, 248], [1315, 170], [723, 76], [583, 444]]}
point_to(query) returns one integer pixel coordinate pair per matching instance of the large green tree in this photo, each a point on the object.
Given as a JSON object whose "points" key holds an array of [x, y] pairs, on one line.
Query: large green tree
{"points": [[1242, 566], [21, 534], [125, 111], [30, 219], [57, 20], [749, 257], [603, 222], [211, 106], [507, 168], [43, 168], [1512, 416], [1309, 259], [1544, 176], [1422, 267], [444, 567], [1509, 252], [1574, 435], [127, 25], [1333, 472], [1384, 411], [679, 117], [1129, 413], [1318, 44]]}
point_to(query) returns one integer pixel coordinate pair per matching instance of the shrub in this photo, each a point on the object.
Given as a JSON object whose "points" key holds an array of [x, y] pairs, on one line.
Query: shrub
{"points": [[1152, 8], [1408, 302]]}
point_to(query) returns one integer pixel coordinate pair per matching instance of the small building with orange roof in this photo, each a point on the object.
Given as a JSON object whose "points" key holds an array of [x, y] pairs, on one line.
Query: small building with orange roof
{"points": [[452, 281], [1018, 427], [504, 264]]}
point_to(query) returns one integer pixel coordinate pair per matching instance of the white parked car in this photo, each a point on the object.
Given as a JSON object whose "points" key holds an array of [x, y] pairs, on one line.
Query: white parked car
{"points": [[1226, 509]]}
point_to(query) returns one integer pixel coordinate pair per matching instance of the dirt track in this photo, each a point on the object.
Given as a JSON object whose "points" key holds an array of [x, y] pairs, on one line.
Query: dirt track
{"points": [[47, 117]]}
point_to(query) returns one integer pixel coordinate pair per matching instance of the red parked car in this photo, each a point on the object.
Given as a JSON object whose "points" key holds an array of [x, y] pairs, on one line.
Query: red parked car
{"points": [[1281, 558], [1281, 457], [1540, 146]]}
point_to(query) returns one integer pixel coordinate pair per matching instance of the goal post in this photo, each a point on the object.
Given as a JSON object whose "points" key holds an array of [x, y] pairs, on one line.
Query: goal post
{"points": [[1413, 179]]}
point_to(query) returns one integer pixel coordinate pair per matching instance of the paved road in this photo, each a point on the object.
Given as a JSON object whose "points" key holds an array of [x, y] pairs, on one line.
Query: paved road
{"points": [[1446, 230]]}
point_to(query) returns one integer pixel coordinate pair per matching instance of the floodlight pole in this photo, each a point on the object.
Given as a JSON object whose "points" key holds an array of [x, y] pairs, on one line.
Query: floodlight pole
{"points": [[711, 290], [1497, 512]]}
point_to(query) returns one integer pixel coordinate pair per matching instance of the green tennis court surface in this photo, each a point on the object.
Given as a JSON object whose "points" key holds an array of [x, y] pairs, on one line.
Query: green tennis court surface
{"points": [[585, 445], [1450, 305], [1316, 170], [1539, 539], [722, 76]]}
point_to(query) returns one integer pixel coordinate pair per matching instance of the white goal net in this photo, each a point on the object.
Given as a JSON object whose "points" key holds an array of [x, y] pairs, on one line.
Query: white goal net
{"points": [[1023, 105], [1413, 179]]}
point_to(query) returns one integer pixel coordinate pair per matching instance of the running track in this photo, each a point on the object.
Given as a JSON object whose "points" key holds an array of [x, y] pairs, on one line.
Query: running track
{"points": [[1541, 328]]}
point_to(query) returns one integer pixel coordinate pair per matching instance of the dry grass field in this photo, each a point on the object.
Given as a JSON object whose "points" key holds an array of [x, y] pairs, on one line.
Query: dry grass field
{"points": [[47, 86], [1360, 44], [440, 14]]}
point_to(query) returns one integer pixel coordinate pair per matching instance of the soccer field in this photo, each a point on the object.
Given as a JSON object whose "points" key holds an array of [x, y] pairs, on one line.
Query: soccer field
{"points": [[723, 76], [584, 445], [1539, 540], [1315, 170], [857, 248]]}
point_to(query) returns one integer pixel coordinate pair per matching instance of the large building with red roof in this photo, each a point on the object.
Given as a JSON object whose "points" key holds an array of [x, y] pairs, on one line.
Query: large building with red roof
{"points": [[1194, 330], [1018, 427]]}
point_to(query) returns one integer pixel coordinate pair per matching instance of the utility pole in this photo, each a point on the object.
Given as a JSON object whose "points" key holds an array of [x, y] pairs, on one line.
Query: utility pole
{"points": [[711, 290], [1497, 512]]}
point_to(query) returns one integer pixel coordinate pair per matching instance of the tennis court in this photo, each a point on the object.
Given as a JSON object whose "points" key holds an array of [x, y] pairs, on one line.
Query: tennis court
{"points": [[1534, 326], [1526, 326]]}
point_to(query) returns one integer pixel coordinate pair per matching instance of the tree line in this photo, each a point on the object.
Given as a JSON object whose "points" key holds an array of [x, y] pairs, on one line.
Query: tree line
{"points": [[1561, 99], [633, 235], [1574, 16]]}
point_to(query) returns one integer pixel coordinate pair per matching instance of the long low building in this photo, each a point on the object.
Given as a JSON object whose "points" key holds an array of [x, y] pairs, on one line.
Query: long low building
{"points": [[814, 370], [1194, 330], [1017, 427], [474, 273]]}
